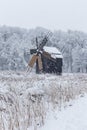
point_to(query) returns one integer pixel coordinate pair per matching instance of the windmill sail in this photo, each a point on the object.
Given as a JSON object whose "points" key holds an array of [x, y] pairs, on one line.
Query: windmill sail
{"points": [[33, 60], [40, 63]]}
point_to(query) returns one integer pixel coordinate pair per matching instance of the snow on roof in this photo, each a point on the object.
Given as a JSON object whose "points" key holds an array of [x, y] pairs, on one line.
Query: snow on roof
{"points": [[55, 53], [52, 50]]}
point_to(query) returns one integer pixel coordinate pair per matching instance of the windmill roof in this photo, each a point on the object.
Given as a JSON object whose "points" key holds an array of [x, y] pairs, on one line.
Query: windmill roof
{"points": [[55, 53]]}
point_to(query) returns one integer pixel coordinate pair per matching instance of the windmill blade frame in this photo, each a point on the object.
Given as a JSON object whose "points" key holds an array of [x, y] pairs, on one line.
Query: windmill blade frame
{"points": [[43, 43]]}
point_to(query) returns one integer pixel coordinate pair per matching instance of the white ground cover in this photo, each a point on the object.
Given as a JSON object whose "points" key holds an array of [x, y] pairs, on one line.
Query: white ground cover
{"points": [[39, 102], [72, 118]]}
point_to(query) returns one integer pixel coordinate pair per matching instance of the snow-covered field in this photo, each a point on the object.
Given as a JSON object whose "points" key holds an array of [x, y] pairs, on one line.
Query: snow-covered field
{"points": [[39, 102], [72, 118]]}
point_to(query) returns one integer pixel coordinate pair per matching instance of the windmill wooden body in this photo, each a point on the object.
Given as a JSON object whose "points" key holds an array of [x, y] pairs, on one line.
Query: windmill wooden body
{"points": [[47, 59]]}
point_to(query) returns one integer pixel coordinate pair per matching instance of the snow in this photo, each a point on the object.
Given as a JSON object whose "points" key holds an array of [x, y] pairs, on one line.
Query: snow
{"points": [[56, 56], [15, 45], [55, 53], [40, 102], [72, 118], [51, 50]]}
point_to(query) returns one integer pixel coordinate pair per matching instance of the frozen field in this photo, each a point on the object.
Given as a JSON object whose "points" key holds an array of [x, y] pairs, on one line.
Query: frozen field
{"points": [[28, 101]]}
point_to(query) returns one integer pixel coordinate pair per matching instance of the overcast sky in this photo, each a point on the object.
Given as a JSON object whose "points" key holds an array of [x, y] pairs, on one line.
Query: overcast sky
{"points": [[51, 14]]}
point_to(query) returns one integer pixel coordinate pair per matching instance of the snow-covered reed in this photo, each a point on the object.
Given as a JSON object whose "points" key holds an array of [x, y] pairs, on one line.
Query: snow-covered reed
{"points": [[26, 98]]}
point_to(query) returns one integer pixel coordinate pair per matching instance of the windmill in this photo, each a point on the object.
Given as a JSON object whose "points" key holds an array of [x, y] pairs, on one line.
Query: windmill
{"points": [[37, 55], [42, 58]]}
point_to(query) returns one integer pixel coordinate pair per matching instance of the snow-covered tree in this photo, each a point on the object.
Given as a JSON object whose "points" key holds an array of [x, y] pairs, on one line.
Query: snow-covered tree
{"points": [[15, 44]]}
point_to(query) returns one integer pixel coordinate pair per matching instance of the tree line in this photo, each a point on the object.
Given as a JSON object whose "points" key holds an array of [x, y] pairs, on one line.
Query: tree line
{"points": [[15, 44]]}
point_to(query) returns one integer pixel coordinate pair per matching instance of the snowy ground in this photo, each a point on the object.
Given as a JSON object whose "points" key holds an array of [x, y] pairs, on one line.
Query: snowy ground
{"points": [[71, 118], [40, 102]]}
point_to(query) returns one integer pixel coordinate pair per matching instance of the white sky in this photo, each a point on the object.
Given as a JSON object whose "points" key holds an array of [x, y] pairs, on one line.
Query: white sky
{"points": [[51, 14]]}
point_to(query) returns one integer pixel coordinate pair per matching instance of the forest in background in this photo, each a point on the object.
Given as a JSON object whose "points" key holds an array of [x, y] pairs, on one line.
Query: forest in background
{"points": [[15, 44]]}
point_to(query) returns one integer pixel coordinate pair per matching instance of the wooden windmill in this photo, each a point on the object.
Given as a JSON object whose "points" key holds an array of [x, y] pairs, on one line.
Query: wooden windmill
{"points": [[44, 60]]}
